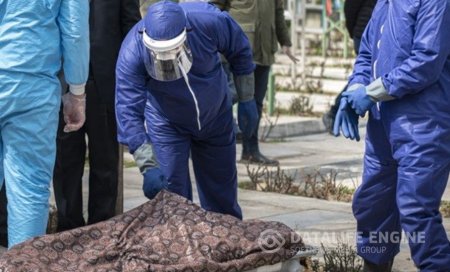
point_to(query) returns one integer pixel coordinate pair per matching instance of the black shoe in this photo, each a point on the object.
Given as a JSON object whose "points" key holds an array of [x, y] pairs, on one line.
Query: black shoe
{"points": [[371, 267], [258, 158]]}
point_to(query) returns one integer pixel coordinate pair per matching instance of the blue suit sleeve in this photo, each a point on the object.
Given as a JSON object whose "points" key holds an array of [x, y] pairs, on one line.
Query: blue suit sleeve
{"points": [[131, 93], [73, 20], [234, 45], [430, 50], [363, 64]]}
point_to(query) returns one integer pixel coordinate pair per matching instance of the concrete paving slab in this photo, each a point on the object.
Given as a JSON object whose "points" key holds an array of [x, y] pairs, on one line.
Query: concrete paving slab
{"points": [[289, 202], [331, 86], [312, 219]]}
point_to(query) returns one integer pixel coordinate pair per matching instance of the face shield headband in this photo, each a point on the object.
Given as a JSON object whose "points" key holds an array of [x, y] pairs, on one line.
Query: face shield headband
{"points": [[167, 59]]}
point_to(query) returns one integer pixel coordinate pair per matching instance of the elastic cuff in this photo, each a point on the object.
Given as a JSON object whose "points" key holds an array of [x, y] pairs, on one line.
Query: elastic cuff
{"points": [[377, 91], [245, 87], [77, 89], [144, 157]]}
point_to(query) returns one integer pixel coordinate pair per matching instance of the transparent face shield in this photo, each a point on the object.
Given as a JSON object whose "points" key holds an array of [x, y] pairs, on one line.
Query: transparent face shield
{"points": [[168, 59]]}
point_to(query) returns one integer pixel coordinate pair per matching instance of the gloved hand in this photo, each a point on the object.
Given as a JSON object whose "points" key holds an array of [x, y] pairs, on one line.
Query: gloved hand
{"points": [[247, 117], [359, 100], [154, 182], [347, 121], [74, 109]]}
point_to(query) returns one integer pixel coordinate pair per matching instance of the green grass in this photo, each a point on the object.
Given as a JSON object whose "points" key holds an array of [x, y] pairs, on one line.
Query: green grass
{"points": [[246, 185], [445, 208], [129, 164]]}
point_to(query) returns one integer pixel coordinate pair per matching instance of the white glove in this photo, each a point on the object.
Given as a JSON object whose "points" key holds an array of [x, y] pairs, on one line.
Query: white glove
{"points": [[74, 109]]}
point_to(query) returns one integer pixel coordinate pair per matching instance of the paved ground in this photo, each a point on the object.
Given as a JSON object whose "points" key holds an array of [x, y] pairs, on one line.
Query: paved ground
{"points": [[318, 221]]}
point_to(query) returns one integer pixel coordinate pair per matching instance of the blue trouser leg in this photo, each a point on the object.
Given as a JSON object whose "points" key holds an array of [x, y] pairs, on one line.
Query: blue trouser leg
{"points": [[250, 144], [213, 157], [214, 161], [172, 153], [407, 192], [419, 195], [374, 203], [421, 147], [29, 149]]}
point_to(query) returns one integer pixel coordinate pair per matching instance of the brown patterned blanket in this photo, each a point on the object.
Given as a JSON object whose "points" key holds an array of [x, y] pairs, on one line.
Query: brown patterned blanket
{"points": [[168, 233]]}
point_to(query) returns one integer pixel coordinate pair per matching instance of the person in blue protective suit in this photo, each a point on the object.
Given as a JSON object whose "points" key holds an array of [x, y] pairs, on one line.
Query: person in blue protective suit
{"points": [[172, 100], [402, 79], [34, 38]]}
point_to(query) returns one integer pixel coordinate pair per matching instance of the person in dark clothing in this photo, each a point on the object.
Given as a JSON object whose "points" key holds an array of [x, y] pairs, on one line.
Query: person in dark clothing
{"points": [[357, 16], [3, 218], [264, 24], [109, 22]]}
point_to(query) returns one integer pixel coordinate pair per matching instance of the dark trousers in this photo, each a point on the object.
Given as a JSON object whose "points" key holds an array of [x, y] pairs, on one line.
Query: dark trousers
{"points": [[3, 218], [250, 145], [100, 128]]}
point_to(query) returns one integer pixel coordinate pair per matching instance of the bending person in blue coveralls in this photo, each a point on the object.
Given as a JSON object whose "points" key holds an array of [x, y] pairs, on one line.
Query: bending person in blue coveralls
{"points": [[402, 79], [172, 100], [34, 37]]}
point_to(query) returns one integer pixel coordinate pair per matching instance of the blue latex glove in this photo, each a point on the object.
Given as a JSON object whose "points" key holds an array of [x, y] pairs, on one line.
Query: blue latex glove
{"points": [[347, 121], [247, 117], [154, 182], [359, 100]]}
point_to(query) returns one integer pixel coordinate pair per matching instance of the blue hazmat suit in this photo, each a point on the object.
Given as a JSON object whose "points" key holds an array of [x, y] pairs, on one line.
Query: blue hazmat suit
{"points": [[165, 114], [405, 50], [34, 37]]}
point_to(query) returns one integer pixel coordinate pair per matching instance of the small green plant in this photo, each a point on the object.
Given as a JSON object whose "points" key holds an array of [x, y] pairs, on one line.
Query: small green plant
{"points": [[342, 258], [265, 179], [301, 105], [247, 185], [325, 186], [315, 185], [129, 164]]}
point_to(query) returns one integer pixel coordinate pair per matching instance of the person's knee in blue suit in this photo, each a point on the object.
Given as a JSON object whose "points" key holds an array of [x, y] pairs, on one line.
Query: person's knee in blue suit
{"points": [[172, 99], [403, 67]]}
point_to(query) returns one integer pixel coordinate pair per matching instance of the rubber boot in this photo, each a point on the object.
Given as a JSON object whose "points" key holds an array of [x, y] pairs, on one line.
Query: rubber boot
{"points": [[251, 153]]}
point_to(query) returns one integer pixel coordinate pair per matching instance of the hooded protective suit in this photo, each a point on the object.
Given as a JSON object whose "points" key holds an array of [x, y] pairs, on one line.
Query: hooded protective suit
{"points": [[182, 116], [34, 37], [404, 55]]}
